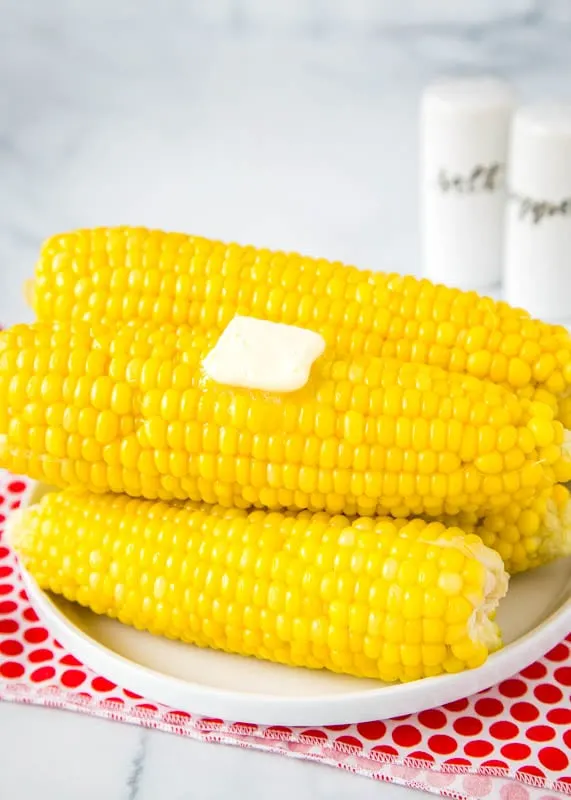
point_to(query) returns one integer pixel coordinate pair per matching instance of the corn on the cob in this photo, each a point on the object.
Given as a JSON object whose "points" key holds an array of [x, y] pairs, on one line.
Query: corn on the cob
{"points": [[128, 410], [125, 273], [526, 536], [379, 598]]}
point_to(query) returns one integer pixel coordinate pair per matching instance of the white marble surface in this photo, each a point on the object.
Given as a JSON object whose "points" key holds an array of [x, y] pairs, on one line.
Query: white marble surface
{"points": [[62, 756], [288, 124]]}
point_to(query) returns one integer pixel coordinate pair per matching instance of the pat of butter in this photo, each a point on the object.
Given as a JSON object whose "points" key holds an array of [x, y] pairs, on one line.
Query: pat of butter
{"points": [[256, 354]]}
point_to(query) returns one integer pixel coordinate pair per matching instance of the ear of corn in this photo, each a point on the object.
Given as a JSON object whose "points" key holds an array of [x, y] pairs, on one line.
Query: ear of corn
{"points": [[121, 274], [128, 410], [525, 536], [378, 598]]}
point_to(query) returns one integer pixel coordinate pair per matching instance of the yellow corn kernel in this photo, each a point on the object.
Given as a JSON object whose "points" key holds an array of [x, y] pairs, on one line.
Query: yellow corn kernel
{"points": [[121, 274], [239, 447], [287, 588]]}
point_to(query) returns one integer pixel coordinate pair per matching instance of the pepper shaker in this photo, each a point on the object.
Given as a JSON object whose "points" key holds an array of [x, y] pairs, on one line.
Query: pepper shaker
{"points": [[464, 140], [538, 216]]}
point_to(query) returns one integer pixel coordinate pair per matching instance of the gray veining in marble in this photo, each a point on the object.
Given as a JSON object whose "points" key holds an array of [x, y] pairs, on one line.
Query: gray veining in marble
{"points": [[136, 773]]}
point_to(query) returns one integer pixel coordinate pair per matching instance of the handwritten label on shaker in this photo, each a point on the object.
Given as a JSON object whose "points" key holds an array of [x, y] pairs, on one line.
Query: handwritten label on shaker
{"points": [[535, 211], [481, 178]]}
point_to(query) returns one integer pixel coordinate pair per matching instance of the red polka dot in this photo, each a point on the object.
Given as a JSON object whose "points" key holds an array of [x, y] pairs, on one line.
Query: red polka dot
{"points": [[553, 758], [384, 749], [24, 595], [372, 730], [467, 726], [313, 733], [567, 738], [30, 615], [504, 730], [559, 716], [406, 736], [70, 661], [529, 769], [16, 487], [5, 571], [458, 762], [36, 635], [102, 685], [4, 552], [8, 626], [478, 748], [349, 741], [566, 779], [37, 656], [6, 588], [421, 756], [114, 701], [72, 678], [433, 719], [11, 669], [151, 707], [132, 695], [516, 751], [495, 763], [7, 607], [547, 693], [534, 671], [513, 688], [443, 745], [402, 716], [2, 519], [337, 727], [524, 712], [488, 707], [540, 733], [457, 705], [43, 674], [563, 675], [10, 647], [15, 505], [559, 653]]}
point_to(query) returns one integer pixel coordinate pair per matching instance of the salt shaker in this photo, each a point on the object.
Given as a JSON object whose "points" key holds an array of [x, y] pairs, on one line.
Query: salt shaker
{"points": [[464, 140], [538, 217]]}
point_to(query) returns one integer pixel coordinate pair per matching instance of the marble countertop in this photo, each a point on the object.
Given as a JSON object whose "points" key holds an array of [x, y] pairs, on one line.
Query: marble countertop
{"points": [[226, 119], [66, 756]]}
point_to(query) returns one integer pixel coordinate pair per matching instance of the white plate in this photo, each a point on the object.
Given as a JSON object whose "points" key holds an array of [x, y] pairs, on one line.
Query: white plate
{"points": [[534, 617]]}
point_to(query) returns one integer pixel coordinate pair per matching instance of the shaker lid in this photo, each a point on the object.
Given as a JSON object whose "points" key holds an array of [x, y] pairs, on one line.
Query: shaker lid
{"points": [[543, 120], [468, 95], [540, 159], [465, 123]]}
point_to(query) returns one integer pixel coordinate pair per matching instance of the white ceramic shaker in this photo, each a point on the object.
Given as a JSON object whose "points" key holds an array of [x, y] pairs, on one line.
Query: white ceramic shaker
{"points": [[538, 217], [464, 140]]}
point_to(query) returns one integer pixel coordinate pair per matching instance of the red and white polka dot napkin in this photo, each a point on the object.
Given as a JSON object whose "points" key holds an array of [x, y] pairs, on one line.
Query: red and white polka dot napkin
{"points": [[511, 742]]}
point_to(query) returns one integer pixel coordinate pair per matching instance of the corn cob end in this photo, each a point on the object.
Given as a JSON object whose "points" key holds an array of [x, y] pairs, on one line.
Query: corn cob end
{"points": [[556, 540], [29, 291], [481, 627], [15, 528]]}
